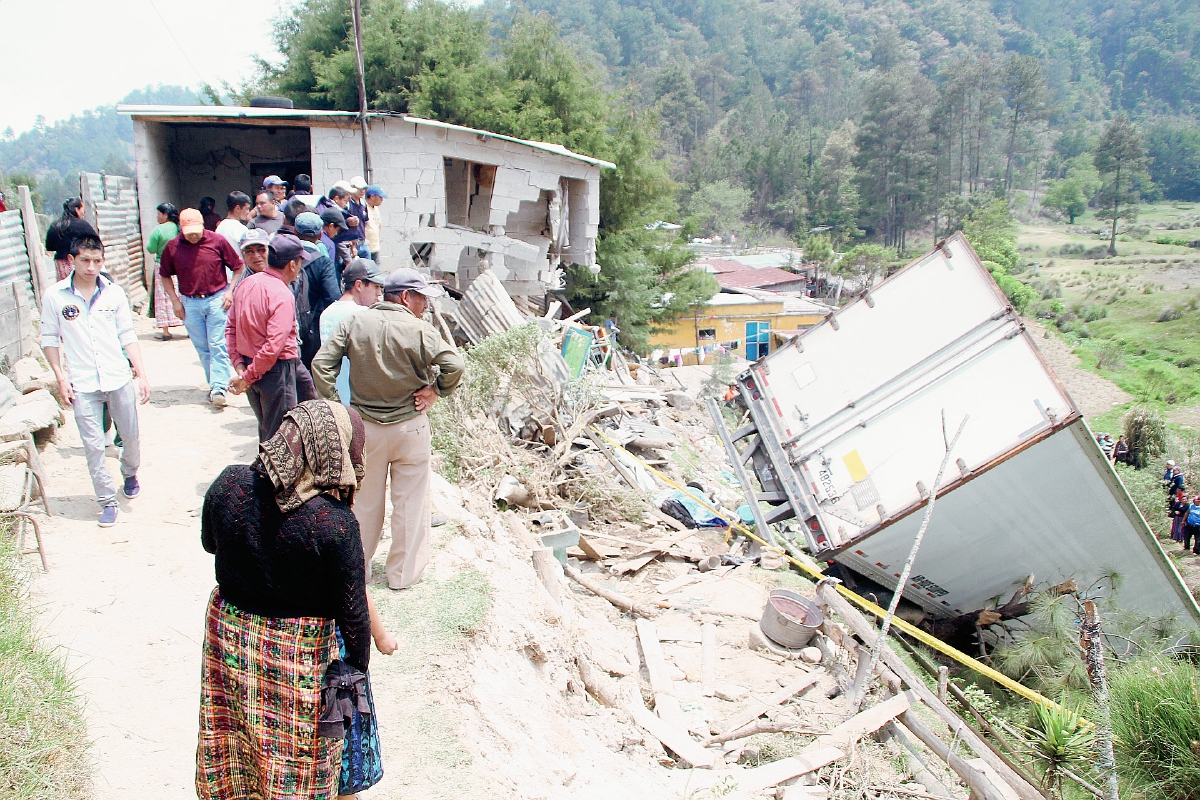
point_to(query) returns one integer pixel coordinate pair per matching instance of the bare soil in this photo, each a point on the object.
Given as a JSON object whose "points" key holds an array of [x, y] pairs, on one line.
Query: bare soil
{"points": [[482, 699]]}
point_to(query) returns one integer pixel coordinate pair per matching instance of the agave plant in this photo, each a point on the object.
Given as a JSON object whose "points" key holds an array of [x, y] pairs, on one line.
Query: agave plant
{"points": [[1060, 740]]}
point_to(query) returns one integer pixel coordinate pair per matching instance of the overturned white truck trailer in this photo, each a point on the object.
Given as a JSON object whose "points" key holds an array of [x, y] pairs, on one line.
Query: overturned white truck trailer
{"points": [[847, 436]]}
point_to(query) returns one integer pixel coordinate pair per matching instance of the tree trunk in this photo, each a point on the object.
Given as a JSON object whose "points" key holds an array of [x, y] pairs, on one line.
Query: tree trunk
{"points": [[1116, 211], [1092, 644], [1012, 144]]}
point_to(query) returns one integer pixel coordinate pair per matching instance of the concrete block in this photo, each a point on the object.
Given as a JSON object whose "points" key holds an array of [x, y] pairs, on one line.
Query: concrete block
{"points": [[429, 160]]}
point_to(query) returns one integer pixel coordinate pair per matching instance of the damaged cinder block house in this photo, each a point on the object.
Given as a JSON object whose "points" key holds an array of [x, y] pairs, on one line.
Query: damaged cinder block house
{"points": [[460, 200]]}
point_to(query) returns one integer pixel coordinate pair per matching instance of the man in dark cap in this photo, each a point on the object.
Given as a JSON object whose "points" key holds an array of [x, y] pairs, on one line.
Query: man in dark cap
{"points": [[399, 365], [333, 221], [261, 335]]}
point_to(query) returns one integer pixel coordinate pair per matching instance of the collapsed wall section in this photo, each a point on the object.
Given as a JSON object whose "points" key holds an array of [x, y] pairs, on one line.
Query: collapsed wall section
{"points": [[461, 201]]}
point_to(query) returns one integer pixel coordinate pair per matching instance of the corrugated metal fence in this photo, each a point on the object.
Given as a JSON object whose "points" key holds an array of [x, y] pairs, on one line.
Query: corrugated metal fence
{"points": [[111, 204], [16, 289]]}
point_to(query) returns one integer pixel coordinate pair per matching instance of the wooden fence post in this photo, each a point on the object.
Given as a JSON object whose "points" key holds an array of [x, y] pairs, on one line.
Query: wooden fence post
{"points": [[33, 244]]}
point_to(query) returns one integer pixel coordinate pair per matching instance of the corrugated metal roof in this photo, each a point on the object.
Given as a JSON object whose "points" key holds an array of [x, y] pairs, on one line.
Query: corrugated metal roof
{"points": [[757, 278], [233, 113]]}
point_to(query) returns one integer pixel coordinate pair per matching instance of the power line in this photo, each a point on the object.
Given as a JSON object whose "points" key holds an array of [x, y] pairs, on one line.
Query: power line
{"points": [[171, 33]]}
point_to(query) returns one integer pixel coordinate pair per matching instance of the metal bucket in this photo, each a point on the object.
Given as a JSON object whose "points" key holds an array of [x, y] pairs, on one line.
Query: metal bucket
{"points": [[790, 619]]}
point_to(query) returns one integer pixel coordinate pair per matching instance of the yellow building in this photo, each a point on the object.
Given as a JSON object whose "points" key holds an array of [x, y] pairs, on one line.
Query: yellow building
{"points": [[740, 324]]}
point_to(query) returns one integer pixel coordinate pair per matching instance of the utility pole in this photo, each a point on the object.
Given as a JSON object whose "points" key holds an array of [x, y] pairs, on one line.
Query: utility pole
{"points": [[356, 17]]}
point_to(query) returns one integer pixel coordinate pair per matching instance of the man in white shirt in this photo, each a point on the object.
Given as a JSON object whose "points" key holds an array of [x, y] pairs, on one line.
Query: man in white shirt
{"points": [[88, 317], [233, 227], [362, 283]]}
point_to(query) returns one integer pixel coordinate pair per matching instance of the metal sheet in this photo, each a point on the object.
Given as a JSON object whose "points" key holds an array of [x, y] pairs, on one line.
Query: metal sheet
{"points": [[1056, 511], [851, 413]]}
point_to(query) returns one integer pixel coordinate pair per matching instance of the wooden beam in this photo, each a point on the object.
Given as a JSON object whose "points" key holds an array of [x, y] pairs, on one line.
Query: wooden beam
{"points": [[863, 723], [760, 707], [978, 782], [33, 247], [828, 596], [775, 773], [665, 702], [680, 741], [616, 598]]}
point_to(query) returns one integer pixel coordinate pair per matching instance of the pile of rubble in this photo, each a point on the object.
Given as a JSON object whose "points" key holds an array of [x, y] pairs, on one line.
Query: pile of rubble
{"points": [[715, 665]]}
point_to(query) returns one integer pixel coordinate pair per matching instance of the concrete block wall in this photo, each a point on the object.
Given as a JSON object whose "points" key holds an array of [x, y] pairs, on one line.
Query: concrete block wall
{"points": [[408, 162], [157, 179]]}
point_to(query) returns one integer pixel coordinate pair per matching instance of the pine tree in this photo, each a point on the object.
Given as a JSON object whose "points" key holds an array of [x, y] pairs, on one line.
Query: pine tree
{"points": [[1118, 157]]}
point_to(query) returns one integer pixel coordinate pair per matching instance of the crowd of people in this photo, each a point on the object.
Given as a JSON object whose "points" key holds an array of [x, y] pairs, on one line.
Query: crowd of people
{"points": [[1183, 513], [286, 701]]}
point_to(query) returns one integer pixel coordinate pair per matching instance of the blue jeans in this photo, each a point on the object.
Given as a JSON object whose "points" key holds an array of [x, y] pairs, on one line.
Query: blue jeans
{"points": [[204, 319]]}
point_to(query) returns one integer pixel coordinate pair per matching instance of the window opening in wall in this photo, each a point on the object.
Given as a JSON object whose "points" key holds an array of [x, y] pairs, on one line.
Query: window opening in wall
{"points": [[707, 334], [468, 193]]}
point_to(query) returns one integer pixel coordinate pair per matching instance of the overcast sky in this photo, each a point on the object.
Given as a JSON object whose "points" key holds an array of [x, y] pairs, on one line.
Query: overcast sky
{"points": [[64, 56]]}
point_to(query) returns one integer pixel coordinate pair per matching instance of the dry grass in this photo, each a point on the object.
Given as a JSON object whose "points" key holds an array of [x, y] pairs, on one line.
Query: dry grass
{"points": [[43, 738]]}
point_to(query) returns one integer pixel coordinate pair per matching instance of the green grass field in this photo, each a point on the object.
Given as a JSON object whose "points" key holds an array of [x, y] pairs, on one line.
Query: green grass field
{"points": [[1133, 318]]}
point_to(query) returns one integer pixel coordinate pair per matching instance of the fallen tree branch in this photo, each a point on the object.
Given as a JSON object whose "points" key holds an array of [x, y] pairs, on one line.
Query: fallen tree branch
{"points": [[616, 598], [789, 725]]}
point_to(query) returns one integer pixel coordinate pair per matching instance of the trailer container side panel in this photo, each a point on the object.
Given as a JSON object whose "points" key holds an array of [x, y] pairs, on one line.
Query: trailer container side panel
{"points": [[850, 414], [1050, 511]]}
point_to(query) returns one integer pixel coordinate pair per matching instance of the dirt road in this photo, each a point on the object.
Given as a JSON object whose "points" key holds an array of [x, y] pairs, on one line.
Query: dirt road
{"points": [[126, 604]]}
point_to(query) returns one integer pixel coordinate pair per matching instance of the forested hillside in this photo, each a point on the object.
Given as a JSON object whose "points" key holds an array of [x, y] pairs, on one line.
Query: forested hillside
{"points": [[50, 157], [876, 117]]}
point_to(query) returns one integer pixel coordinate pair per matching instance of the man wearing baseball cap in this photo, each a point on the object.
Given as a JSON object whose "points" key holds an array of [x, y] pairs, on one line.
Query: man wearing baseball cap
{"points": [[392, 353], [261, 335], [363, 284], [375, 196], [199, 259], [277, 186]]}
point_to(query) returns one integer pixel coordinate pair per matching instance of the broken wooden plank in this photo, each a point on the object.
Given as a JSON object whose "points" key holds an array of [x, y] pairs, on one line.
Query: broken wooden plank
{"points": [[768, 775], [760, 707], [828, 596], [588, 550], [677, 583], [863, 723], [678, 739], [665, 702], [616, 598], [980, 784]]}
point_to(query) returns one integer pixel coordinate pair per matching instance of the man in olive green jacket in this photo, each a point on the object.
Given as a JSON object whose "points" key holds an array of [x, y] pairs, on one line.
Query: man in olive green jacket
{"points": [[399, 366]]}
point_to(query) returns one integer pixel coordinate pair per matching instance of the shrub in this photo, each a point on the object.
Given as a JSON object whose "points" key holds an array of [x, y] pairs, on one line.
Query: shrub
{"points": [[1169, 314], [1109, 357], [1156, 727], [1146, 433]]}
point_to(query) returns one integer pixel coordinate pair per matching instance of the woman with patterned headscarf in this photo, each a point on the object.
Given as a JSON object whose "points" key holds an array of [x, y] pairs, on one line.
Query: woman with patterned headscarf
{"points": [[290, 599]]}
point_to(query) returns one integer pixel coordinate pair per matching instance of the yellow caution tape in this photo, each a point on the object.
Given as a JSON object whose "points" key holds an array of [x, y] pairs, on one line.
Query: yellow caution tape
{"points": [[863, 603]]}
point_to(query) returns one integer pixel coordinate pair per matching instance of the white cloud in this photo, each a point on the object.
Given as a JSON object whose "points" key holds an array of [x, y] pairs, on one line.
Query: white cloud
{"points": [[64, 56]]}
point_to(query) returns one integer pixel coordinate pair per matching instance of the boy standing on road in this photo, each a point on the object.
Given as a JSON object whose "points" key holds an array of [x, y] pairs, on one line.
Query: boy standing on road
{"points": [[88, 316]]}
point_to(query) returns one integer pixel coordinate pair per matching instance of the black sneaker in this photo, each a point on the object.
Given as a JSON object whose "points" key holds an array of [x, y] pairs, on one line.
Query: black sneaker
{"points": [[131, 489]]}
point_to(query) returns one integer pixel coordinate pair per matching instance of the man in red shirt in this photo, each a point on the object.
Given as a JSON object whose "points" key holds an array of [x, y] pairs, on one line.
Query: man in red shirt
{"points": [[261, 335], [199, 259]]}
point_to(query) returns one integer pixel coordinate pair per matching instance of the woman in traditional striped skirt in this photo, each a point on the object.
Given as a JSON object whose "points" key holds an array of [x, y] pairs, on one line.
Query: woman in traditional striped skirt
{"points": [[166, 230], [290, 584]]}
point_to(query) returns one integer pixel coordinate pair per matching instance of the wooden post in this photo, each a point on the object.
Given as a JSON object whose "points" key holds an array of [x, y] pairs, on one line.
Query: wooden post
{"points": [[943, 682], [16, 290], [356, 19], [978, 782], [33, 245], [549, 572], [1091, 642], [827, 595]]}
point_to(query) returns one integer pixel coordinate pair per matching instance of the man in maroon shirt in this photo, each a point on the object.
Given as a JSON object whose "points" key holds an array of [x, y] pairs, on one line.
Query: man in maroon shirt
{"points": [[261, 335], [199, 259]]}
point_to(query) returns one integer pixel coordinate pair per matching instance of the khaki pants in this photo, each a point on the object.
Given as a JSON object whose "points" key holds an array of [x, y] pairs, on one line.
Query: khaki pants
{"points": [[401, 451]]}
